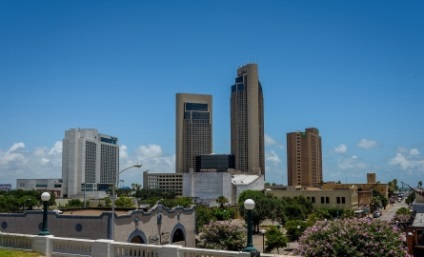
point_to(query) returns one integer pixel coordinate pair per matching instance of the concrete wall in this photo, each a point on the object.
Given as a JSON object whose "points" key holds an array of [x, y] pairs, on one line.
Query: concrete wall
{"points": [[146, 225]]}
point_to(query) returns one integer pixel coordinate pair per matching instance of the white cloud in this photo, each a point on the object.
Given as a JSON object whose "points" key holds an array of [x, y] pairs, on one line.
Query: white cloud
{"points": [[414, 152], [269, 141], [16, 146], [44, 161], [123, 152], [351, 163], [56, 149], [16, 153], [150, 151], [341, 148], [410, 161], [272, 157], [366, 144]]}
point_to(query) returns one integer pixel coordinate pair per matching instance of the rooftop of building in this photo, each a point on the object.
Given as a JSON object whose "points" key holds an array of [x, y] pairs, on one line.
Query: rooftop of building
{"points": [[243, 179]]}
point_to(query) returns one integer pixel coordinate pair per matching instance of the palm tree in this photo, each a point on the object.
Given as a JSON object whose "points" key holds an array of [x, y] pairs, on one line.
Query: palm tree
{"points": [[221, 201]]}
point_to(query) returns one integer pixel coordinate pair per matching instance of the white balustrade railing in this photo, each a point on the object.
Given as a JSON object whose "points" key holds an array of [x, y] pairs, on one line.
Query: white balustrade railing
{"points": [[20, 241], [51, 246], [79, 247]]}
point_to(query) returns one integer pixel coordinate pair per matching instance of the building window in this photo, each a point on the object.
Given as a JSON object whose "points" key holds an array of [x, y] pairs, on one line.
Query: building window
{"points": [[313, 199], [327, 199], [338, 200], [322, 199], [343, 200]]}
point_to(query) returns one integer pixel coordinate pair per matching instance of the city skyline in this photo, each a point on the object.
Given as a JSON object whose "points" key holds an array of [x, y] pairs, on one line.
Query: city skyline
{"points": [[353, 70]]}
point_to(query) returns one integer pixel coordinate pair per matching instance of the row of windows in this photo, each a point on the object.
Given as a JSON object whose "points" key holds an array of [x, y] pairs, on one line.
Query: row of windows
{"points": [[326, 200]]}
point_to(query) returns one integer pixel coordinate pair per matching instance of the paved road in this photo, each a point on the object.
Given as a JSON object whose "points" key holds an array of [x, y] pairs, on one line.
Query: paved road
{"points": [[390, 211]]}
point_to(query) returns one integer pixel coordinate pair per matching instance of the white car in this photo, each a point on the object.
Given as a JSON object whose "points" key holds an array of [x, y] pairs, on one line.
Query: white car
{"points": [[58, 211]]}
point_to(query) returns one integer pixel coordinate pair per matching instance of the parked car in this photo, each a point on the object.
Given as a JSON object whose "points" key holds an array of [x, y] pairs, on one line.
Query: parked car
{"points": [[58, 211], [376, 214]]}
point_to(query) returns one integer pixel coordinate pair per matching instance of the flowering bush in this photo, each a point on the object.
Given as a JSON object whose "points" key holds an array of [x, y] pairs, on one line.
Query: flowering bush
{"points": [[222, 236], [352, 237]]}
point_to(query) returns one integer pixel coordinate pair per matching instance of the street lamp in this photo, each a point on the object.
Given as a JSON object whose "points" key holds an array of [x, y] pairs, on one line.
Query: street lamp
{"points": [[249, 205], [45, 197], [115, 180]]}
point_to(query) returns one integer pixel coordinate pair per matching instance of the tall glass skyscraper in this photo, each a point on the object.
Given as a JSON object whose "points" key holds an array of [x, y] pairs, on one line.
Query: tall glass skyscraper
{"points": [[194, 129], [247, 121]]}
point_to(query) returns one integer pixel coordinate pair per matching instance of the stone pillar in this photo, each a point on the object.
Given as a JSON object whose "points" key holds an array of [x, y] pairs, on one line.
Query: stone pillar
{"points": [[43, 245], [102, 248], [170, 250]]}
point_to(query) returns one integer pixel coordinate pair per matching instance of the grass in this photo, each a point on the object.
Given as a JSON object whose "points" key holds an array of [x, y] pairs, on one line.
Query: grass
{"points": [[16, 253]]}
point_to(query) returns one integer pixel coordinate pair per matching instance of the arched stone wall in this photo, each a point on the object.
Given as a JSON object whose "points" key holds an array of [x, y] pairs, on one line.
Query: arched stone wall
{"points": [[177, 227], [137, 233]]}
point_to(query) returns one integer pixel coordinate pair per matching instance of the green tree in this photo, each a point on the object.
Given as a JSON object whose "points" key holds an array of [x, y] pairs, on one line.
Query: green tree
{"points": [[275, 239], [222, 235], [223, 213], [411, 198], [403, 210], [263, 207], [295, 228], [203, 216], [222, 200], [108, 201], [420, 184], [393, 187], [124, 202], [320, 214], [74, 203]]}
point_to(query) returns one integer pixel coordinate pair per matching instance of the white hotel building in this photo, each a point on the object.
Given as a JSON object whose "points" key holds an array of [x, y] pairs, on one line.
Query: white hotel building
{"points": [[90, 161]]}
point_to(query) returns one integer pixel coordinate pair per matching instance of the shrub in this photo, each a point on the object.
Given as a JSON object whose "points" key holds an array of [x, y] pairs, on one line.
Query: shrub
{"points": [[222, 236], [354, 237], [275, 239]]}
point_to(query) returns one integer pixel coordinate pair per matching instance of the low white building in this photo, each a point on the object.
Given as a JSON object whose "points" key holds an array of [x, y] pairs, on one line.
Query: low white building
{"points": [[206, 187], [50, 185]]}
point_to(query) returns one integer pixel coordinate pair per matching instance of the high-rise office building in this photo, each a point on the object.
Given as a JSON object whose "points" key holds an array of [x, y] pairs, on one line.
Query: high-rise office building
{"points": [[304, 158], [193, 129], [247, 121], [90, 161]]}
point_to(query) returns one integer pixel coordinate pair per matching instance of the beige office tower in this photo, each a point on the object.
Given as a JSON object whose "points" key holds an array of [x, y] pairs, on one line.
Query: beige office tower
{"points": [[247, 121], [90, 161], [194, 129], [304, 158]]}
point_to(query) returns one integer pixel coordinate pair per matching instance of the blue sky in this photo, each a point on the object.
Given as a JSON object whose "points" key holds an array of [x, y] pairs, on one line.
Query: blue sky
{"points": [[352, 69]]}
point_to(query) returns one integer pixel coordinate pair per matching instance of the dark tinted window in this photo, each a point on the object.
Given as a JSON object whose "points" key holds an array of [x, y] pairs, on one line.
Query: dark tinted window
{"points": [[196, 107]]}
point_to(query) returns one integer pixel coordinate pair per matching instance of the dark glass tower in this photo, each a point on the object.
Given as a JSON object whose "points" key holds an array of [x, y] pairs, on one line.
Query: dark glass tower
{"points": [[247, 121]]}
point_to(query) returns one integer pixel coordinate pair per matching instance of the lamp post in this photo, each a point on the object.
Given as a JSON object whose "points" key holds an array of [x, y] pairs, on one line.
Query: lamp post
{"points": [[45, 197], [249, 205], [115, 180]]}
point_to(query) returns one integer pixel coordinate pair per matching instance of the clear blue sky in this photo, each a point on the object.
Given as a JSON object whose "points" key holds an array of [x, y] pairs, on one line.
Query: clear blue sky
{"points": [[352, 69]]}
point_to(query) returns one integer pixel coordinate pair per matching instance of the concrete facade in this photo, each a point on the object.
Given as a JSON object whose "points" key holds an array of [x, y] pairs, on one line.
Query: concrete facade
{"points": [[159, 225], [193, 129], [168, 182], [323, 198], [206, 187], [53, 185], [90, 162], [247, 121], [304, 158]]}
